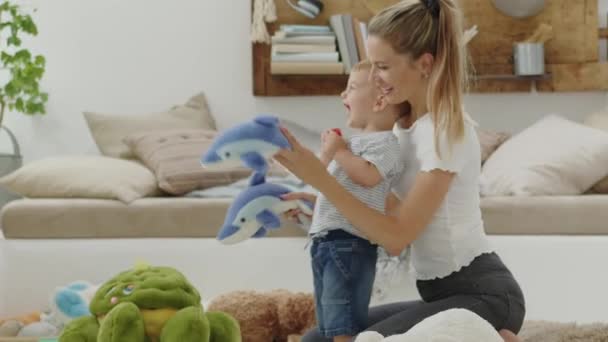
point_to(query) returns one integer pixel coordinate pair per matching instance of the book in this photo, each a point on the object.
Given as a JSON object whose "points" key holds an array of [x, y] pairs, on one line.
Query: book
{"points": [[335, 21], [304, 28], [283, 34], [361, 49], [316, 40], [351, 43], [306, 68], [299, 48], [306, 57]]}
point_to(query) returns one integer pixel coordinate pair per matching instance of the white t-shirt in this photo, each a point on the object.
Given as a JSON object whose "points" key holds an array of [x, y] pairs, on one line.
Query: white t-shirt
{"points": [[456, 234]]}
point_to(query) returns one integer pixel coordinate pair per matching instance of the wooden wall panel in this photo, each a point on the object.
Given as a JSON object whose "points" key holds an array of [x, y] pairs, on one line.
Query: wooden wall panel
{"points": [[572, 56]]}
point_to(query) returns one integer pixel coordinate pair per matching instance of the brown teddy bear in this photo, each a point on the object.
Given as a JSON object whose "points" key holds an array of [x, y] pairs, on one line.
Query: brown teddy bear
{"points": [[268, 316]]}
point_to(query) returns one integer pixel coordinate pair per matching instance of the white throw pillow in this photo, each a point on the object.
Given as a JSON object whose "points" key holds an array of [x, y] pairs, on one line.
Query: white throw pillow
{"points": [[599, 120], [554, 156], [82, 177], [109, 129]]}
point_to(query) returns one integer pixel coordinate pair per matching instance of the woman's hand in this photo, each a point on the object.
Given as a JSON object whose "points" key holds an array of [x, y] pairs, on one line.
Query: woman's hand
{"points": [[302, 162], [293, 215], [331, 143]]}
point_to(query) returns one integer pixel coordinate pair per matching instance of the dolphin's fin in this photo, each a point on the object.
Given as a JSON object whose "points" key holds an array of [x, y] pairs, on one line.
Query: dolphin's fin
{"points": [[255, 161], [260, 233], [267, 120], [268, 219]]}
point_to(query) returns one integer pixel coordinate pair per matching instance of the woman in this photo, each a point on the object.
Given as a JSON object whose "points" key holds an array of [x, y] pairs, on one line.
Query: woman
{"points": [[418, 56]]}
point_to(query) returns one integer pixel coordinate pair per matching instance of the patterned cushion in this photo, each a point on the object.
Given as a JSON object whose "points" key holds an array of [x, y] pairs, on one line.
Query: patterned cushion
{"points": [[174, 157]]}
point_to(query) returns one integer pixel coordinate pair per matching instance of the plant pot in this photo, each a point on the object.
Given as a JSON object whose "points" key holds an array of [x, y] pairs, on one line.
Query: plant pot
{"points": [[529, 59], [8, 164]]}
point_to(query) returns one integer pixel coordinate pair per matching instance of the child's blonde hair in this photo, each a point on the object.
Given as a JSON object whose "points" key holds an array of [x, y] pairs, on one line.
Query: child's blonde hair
{"points": [[416, 27], [403, 109], [363, 65]]}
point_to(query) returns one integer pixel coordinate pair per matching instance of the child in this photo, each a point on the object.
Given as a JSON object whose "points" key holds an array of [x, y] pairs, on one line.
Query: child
{"points": [[343, 259]]}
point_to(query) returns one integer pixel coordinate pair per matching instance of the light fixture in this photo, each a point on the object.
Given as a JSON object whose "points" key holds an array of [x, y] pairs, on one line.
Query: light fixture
{"points": [[519, 8]]}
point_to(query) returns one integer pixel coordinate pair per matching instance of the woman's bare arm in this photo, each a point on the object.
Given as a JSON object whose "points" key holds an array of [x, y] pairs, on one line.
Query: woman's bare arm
{"points": [[394, 233], [414, 213]]}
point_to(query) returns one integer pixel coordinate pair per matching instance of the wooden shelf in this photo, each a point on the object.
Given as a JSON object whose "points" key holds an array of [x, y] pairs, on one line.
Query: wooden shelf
{"points": [[513, 77], [572, 57]]}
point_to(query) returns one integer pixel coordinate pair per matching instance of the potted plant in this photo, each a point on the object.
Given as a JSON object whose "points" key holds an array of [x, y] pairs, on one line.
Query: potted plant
{"points": [[20, 76]]}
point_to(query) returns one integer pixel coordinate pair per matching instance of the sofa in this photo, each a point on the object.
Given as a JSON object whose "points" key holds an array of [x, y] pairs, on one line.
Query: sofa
{"points": [[83, 217]]}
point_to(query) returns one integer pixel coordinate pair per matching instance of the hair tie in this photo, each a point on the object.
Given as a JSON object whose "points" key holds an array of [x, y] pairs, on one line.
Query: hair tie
{"points": [[432, 6]]}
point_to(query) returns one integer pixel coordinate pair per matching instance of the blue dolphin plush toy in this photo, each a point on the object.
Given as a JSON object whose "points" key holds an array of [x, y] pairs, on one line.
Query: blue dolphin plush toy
{"points": [[257, 209], [250, 143]]}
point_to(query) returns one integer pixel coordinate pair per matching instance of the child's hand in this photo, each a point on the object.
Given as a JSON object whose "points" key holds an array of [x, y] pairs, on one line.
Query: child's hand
{"points": [[293, 214], [332, 143]]}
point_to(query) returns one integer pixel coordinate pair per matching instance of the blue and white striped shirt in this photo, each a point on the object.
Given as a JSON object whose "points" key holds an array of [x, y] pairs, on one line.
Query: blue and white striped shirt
{"points": [[382, 150]]}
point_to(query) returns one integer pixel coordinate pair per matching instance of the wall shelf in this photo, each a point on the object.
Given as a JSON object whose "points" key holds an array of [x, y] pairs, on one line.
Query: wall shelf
{"points": [[572, 56], [513, 77]]}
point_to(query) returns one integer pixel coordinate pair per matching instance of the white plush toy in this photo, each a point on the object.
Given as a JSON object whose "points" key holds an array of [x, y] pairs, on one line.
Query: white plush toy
{"points": [[454, 325], [70, 302]]}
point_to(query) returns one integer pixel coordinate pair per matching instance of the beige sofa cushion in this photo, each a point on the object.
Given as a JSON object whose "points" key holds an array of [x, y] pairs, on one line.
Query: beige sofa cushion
{"points": [[599, 120], [82, 177], [202, 217], [157, 217], [174, 156], [109, 130], [554, 156], [546, 215]]}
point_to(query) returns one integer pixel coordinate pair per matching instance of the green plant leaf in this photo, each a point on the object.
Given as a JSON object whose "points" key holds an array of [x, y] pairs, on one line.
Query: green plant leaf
{"points": [[23, 54], [28, 25], [19, 104], [40, 60], [13, 40], [22, 90], [5, 58]]}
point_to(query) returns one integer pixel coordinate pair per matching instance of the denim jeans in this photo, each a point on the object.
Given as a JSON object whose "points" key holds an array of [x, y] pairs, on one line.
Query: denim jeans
{"points": [[485, 287], [344, 268]]}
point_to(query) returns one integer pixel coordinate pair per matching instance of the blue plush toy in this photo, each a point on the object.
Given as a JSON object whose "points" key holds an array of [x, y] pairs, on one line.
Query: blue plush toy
{"points": [[72, 301], [250, 143], [257, 209]]}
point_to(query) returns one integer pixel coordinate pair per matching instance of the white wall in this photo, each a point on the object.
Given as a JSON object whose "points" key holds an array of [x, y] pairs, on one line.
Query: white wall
{"points": [[137, 56]]}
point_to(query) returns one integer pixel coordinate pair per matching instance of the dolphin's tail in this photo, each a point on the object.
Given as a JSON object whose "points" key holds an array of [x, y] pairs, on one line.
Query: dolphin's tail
{"points": [[257, 178]]}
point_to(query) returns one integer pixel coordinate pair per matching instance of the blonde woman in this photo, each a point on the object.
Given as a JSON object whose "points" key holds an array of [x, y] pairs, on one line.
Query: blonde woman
{"points": [[417, 51]]}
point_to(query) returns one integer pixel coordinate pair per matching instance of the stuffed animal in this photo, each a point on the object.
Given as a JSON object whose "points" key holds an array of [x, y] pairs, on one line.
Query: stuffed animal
{"points": [[454, 325], [67, 303], [24, 319], [251, 144], [10, 328], [149, 303], [70, 302], [268, 316], [257, 209]]}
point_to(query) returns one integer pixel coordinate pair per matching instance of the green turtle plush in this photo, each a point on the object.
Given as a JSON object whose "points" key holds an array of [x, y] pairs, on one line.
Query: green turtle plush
{"points": [[150, 304]]}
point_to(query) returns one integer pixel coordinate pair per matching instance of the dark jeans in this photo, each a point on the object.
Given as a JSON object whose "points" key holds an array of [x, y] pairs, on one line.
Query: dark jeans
{"points": [[344, 268], [485, 287]]}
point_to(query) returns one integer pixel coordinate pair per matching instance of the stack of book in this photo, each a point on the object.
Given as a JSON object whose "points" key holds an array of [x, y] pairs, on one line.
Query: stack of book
{"points": [[351, 34], [305, 50]]}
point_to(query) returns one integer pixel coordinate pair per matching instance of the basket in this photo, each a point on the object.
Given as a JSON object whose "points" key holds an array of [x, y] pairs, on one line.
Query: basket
{"points": [[8, 164]]}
